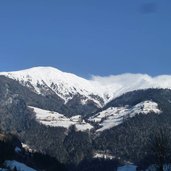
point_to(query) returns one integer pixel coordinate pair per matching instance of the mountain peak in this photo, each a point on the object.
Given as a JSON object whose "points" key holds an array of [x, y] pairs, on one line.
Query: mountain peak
{"points": [[45, 80], [36, 69]]}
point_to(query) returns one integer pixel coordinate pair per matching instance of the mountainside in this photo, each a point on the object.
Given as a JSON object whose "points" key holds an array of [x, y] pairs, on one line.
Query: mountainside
{"points": [[72, 119], [69, 87], [49, 81], [114, 116], [131, 139]]}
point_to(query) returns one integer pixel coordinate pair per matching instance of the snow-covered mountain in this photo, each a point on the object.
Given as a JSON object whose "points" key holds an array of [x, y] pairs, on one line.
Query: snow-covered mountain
{"points": [[43, 116], [48, 80], [101, 90]]}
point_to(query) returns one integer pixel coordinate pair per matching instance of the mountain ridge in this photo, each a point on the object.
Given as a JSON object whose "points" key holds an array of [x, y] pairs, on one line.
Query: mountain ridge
{"points": [[101, 90]]}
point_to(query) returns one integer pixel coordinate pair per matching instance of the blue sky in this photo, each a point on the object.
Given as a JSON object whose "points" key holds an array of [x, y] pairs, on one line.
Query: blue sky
{"points": [[87, 36]]}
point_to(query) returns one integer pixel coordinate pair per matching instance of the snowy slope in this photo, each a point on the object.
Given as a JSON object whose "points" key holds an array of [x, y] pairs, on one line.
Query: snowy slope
{"points": [[114, 116], [48, 80], [106, 119], [19, 166], [127, 167], [55, 119]]}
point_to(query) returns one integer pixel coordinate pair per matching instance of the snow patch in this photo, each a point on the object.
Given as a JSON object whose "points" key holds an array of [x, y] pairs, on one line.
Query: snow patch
{"points": [[103, 155], [56, 119], [27, 148], [114, 116], [127, 167], [19, 166]]}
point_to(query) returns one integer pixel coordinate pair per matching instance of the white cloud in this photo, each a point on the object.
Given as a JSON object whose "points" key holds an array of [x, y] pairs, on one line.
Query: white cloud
{"points": [[116, 85]]}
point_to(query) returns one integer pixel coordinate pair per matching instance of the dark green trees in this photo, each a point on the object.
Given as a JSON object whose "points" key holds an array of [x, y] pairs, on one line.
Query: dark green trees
{"points": [[160, 146]]}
